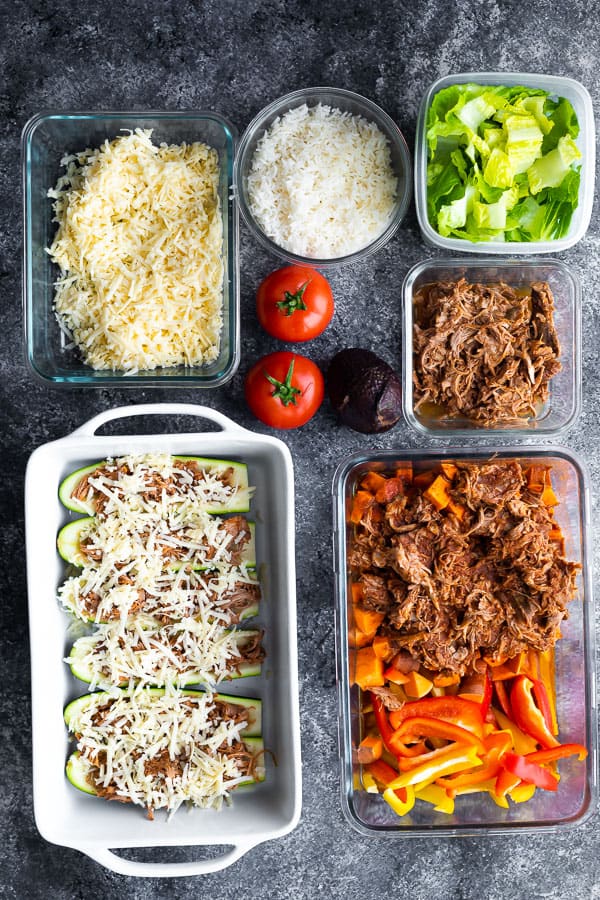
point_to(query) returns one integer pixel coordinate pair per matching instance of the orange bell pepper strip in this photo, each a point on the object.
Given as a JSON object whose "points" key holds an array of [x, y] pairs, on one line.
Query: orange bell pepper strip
{"points": [[455, 710], [428, 727], [529, 717], [502, 695], [456, 758], [497, 744], [506, 782], [560, 752], [406, 763], [531, 772]]}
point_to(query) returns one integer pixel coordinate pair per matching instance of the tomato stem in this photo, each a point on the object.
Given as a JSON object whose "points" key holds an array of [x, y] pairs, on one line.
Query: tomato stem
{"points": [[292, 302], [284, 390]]}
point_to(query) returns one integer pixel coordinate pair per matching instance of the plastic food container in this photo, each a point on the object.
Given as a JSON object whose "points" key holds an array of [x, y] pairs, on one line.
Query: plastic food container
{"points": [[70, 818], [557, 86], [575, 800], [346, 101], [564, 402], [48, 137]]}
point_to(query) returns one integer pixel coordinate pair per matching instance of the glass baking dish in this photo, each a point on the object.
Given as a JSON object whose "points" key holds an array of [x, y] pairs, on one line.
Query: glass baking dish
{"points": [[562, 408], [575, 800], [556, 86], [47, 138]]}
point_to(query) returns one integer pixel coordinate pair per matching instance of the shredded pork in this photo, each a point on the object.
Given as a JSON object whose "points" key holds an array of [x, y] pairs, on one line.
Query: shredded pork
{"points": [[484, 352], [461, 591]]}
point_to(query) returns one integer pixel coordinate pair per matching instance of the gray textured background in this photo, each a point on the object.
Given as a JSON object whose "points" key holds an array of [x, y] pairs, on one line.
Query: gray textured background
{"points": [[234, 58]]}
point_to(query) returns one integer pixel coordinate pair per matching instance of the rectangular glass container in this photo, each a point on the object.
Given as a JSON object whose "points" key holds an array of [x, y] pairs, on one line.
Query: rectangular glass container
{"points": [[575, 800], [561, 409], [48, 137], [555, 85]]}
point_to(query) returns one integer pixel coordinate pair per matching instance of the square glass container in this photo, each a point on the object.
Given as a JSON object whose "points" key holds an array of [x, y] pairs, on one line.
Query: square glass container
{"points": [[575, 800], [48, 137], [557, 86], [561, 409]]}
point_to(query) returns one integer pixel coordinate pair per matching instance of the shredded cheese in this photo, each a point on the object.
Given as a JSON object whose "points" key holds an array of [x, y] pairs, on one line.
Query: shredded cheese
{"points": [[321, 182], [139, 246], [129, 746]]}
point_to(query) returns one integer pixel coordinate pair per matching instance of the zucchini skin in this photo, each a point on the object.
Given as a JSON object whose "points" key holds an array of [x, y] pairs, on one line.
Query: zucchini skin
{"points": [[241, 504]]}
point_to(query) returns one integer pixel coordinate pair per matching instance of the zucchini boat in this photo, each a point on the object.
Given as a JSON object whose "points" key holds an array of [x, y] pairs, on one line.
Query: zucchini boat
{"points": [[227, 492], [160, 748], [71, 535], [195, 653]]}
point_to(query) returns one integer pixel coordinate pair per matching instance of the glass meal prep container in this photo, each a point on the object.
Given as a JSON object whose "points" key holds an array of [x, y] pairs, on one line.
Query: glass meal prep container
{"points": [[47, 138], [556, 86], [575, 800], [349, 103], [562, 407]]}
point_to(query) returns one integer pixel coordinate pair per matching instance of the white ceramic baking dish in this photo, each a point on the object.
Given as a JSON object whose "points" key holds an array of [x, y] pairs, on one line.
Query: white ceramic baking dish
{"points": [[70, 818]]}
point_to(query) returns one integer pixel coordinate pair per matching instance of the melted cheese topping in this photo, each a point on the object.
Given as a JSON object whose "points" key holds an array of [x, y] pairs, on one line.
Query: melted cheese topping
{"points": [[139, 246], [139, 728], [321, 182]]}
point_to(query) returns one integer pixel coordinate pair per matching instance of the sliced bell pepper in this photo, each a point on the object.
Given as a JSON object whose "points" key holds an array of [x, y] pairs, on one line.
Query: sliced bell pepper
{"points": [[381, 720], [540, 695], [502, 695], [401, 805], [463, 713], [457, 758], [522, 792], [560, 752], [497, 744], [547, 677], [432, 793], [485, 787], [531, 772], [505, 782], [527, 715], [522, 742], [382, 772], [369, 783], [405, 763], [428, 727]]}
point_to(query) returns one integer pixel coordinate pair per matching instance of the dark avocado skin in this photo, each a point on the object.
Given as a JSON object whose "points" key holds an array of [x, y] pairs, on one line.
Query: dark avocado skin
{"points": [[364, 390]]}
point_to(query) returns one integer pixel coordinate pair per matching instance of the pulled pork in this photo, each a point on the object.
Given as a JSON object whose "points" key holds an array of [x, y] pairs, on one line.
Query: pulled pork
{"points": [[470, 584], [484, 352]]}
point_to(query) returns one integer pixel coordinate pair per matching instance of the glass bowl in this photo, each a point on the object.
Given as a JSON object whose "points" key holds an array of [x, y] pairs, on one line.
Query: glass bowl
{"points": [[561, 409], [477, 814], [346, 101], [47, 137], [557, 86]]}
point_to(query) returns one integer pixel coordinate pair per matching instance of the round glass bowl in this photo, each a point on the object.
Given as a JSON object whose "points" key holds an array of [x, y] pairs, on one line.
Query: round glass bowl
{"points": [[346, 101]]}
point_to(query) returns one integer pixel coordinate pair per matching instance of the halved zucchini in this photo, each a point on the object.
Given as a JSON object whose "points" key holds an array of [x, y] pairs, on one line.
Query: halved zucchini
{"points": [[84, 645], [80, 705], [70, 535], [239, 502], [77, 769]]}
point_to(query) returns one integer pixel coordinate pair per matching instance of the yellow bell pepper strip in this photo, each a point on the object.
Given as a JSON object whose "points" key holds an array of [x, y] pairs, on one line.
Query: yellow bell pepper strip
{"points": [[400, 806], [369, 783], [486, 787], [563, 750], [527, 715], [522, 792], [428, 727], [522, 743], [497, 744], [437, 796], [462, 713], [454, 760], [531, 772]]}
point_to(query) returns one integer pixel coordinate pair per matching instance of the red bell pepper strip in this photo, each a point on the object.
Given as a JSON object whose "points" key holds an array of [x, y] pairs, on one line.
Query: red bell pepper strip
{"points": [[540, 696], [528, 771], [465, 714], [560, 752], [526, 714], [384, 774], [426, 727], [502, 695], [506, 782], [381, 720]]}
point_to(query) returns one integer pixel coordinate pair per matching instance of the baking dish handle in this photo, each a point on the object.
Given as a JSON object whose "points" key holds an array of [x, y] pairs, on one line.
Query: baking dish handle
{"points": [[122, 866], [158, 409]]}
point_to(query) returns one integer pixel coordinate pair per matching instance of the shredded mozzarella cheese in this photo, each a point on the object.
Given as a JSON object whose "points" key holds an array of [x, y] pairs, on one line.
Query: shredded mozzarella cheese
{"points": [[139, 246], [321, 182]]}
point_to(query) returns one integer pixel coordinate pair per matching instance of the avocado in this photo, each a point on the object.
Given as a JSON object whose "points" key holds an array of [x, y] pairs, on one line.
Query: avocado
{"points": [[364, 391]]}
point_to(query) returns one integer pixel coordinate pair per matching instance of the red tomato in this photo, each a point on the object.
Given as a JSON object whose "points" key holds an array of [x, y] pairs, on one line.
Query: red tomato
{"points": [[294, 303], [284, 390]]}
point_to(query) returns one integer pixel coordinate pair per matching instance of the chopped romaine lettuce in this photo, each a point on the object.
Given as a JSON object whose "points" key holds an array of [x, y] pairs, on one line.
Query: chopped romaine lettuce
{"points": [[503, 163]]}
